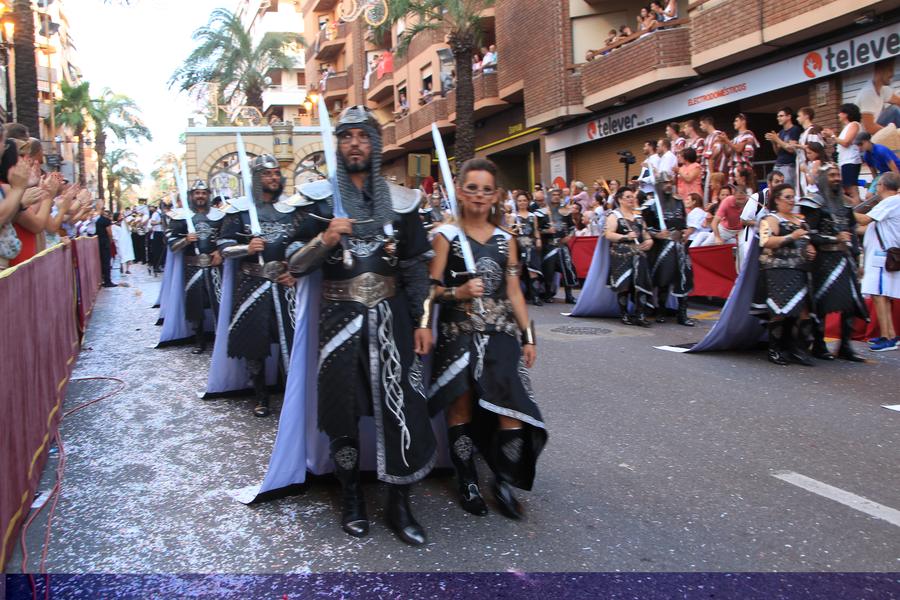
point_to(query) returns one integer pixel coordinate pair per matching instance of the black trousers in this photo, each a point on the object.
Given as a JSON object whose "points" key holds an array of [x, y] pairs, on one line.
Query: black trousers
{"points": [[139, 242], [157, 250], [105, 260]]}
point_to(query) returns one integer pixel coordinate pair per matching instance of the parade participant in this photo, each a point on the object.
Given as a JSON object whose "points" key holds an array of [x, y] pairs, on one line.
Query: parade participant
{"points": [[432, 215], [834, 286], [555, 227], [156, 239], [670, 265], [629, 271], [202, 259], [783, 293], [139, 225], [481, 377], [264, 289], [374, 325], [524, 225]]}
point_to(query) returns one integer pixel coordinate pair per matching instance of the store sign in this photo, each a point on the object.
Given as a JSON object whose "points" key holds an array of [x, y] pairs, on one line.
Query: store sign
{"points": [[826, 61], [558, 170]]}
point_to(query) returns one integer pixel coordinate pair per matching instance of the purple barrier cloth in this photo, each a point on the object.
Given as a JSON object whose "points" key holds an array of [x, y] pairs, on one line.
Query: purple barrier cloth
{"points": [[736, 328], [596, 298], [230, 374]]}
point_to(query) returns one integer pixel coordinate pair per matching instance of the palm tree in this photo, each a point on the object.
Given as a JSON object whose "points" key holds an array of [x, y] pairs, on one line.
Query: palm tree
{"points": [[462, 21], [225, 54], [73, 110], [121, 173], [163, 172], [25, 67], [118, 115]]}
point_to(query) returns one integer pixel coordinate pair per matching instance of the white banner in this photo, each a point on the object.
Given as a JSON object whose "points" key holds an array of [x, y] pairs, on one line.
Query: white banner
{"points": [[828, 60], [558, 170]]}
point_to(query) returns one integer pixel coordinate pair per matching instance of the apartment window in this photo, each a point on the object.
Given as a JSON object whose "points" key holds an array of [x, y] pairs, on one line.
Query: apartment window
{"points": [[426, 93], [274, 78], [301, 79], [273, 6], [403, 103]]}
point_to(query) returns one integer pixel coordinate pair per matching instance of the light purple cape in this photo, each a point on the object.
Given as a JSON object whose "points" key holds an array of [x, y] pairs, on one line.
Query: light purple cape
{"points": [[736, 328], [175, 327], [163, 288], [597, 299]]}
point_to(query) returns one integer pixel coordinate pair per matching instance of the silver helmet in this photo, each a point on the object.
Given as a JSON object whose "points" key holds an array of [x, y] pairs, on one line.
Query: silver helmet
{"points": [[199, 184], [263, 162]]}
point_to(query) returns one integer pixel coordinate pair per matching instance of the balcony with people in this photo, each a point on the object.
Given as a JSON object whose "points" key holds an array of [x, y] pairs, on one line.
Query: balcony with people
{"points": [[636, 61], [330, 41]]}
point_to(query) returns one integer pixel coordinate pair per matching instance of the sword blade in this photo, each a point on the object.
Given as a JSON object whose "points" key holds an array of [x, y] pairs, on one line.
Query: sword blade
{"points": [[330, 152], [247, 179]]}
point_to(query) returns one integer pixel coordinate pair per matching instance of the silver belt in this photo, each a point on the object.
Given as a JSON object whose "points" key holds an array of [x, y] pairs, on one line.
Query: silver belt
{"points": [[368, 289], [198, 260], [271, 270]]}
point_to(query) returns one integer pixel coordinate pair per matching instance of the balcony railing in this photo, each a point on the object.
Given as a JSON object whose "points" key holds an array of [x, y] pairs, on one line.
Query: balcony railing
{"points": [[638, 65], [381, 88], [338, 85], [330, 42], [422, 118], [280, 96], [485, 93], [389, 134]]}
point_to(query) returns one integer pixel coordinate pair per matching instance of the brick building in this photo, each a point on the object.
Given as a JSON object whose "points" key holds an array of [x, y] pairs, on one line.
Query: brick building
{"points": [[548, 114]]}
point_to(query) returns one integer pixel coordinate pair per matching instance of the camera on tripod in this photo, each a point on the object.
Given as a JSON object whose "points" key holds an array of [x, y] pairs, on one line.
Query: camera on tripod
{"points": [[626, 157]]}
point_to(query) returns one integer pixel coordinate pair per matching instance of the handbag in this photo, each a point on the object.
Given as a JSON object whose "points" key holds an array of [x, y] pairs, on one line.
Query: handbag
{"points": [[892, 260]]}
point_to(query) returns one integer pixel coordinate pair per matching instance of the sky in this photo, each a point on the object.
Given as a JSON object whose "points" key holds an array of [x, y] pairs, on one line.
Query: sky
{"points": [[134, 50]]}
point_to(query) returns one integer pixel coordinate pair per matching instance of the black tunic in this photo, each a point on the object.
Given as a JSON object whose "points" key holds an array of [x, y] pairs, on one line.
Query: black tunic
{"points": [[783, 286], [629, 270], [835, 287], [670, 264], [482, 353], [202, 285], [366, 361], [529, 255], [556, 257], [262, 311]]}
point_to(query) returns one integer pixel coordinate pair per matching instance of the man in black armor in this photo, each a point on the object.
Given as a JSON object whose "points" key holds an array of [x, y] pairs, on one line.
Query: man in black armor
{"points": [[264, 297], [670, 265], [202, 259], [556, 228], [834, 285], [374, 325]]}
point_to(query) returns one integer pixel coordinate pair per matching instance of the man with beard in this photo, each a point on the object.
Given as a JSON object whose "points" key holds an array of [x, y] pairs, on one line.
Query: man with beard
{"points": [[556, 227], [202, 275], [835, 289], [670, 265], [262, 310], [374, 325]]}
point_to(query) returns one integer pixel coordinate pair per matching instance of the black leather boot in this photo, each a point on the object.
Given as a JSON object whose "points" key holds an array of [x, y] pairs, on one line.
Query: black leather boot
{"points": [[199, 340], [570, 299], [345, 454], [846, 351], [683, 318], [795, 344], [462, 453], [776, 343], [258, 372], [507, 450], [623, 309], [813, 334], [400, 517], [535, 288], [661, 307]]}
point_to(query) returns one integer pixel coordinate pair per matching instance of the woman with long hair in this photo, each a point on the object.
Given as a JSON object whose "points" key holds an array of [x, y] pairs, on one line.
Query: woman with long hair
{"points": [[524, 225], [481, 379], [783, 293], [629, 271]]}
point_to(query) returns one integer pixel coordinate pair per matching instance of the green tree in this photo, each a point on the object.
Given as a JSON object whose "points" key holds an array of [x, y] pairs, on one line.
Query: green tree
{"points": [[73, 110], [225, 54], [163, 173], [116, 115], [122, 173], [25, 67], [461, 19]]}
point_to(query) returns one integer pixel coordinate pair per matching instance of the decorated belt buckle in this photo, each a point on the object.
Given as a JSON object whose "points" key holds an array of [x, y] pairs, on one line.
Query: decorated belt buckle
{"points": [[204, 260], [274, 269]]}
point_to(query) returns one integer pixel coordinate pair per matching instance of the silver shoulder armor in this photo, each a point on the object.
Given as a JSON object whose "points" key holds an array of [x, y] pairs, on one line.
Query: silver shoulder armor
{"points": [[316, 190], [404, 199]]}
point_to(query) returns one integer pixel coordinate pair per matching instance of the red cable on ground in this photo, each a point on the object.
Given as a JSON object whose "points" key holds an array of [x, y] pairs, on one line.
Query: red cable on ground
{"points": [[55, 491]]}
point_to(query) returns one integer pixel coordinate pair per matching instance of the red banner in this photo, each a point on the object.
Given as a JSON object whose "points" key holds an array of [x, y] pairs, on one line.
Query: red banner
{"points": [[38, 301], [714, 268], [861, 329]]}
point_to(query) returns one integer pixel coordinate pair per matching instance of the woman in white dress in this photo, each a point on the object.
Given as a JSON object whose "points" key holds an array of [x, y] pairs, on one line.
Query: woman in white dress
{"points": [[124, 247]]}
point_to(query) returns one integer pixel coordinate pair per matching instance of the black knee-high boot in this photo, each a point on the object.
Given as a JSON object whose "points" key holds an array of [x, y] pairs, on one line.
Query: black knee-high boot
{"points": [[813, 335], [257, 370], [199, 339], [622, 299], [570, 299], [846, 351], [508, 445], [795, 344], [462, 453], [345, 454], [662, 301], [400, 517], [683, 318], [535, 287], [641, 309], [777, 352]]}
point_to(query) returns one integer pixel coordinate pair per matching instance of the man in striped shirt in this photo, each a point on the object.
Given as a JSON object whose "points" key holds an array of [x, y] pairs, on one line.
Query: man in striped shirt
{"points": [[742, 148], [673, 132], [715, 158]]}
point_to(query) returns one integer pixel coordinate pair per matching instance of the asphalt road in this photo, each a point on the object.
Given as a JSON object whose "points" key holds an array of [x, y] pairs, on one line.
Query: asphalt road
{"points": [[656, 461]]}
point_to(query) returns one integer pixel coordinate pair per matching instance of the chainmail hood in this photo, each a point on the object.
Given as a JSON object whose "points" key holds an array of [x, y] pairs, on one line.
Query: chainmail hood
{"points": [[374, 200], [257, 166]]}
